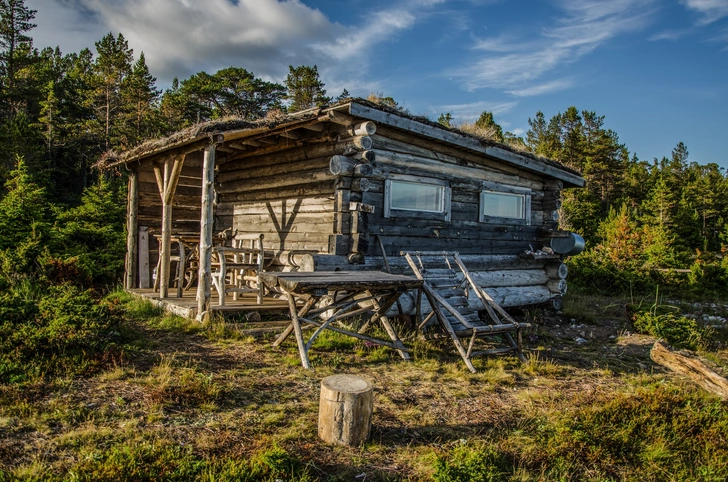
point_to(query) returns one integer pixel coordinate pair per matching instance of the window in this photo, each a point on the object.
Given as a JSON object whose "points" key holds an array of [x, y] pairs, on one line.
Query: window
{"points": [[416, 197], [505, 204]]}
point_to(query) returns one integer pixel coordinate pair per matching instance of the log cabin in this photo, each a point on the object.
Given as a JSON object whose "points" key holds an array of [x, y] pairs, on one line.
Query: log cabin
{"points": [[349, 186]]}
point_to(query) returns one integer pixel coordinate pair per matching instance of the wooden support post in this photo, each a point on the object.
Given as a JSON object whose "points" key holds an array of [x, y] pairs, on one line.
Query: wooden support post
{"points": [[144, 280], [164, 252], [208, 193], [130, 264], [345, 410]]}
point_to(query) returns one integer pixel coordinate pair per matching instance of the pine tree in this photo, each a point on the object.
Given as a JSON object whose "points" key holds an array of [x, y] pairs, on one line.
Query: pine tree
{"points": [[445, 119], [112, 66], [229, 92], [305, 89], [139, 96], [343, 96], [17, 48], [487, 123]]}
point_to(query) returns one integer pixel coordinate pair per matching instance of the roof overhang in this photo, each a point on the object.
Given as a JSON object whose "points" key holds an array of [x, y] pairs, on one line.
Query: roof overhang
{"points": [[228, 132]]}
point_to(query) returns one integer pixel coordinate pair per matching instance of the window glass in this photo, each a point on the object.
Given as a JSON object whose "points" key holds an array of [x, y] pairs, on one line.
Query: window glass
{"points": [[416, 196], [503, 205]]}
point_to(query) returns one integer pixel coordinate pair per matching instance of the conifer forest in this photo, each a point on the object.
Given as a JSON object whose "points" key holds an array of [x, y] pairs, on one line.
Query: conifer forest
{"points": [[653, 227]]}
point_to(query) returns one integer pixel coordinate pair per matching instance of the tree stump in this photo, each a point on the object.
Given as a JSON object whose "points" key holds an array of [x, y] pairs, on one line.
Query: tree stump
{"points": [[345, 410]]}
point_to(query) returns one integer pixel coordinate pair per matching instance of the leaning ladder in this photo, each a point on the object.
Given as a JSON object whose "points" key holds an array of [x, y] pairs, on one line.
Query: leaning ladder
{"points": [[502, 322]]}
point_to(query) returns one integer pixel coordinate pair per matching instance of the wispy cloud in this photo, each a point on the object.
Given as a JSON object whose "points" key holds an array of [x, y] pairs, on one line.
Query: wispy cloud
{"points": [[587, 24], [710, 10], [670, 35], [471, 111], [545, 88]]}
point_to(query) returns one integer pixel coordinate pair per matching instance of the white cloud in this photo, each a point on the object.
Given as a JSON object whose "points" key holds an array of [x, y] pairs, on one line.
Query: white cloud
{"points": [[182, 37], [710, 10], [515, 64]]}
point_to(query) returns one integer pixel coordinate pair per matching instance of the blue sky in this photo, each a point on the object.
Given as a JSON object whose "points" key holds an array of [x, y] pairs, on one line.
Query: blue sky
{"points": [[656, 69]]}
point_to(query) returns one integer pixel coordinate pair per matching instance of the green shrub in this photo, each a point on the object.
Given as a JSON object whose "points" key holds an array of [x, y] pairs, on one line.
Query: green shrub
{"points": [[472, 464], [679, 331], [66, 331]]}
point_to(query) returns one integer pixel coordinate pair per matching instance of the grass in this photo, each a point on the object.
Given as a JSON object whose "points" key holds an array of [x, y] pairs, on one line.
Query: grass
{"points": [[201, 402]]}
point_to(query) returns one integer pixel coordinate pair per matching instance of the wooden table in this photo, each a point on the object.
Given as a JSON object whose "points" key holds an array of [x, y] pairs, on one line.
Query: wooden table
{"points": [[354, 293]]}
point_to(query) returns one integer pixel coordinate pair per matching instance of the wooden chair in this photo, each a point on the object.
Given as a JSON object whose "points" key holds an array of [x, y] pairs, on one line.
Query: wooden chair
{"points": [[237, 269], [447, 293]]}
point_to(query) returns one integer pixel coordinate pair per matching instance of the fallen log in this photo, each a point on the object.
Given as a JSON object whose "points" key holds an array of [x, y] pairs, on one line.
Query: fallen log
{"points": [[662, 354]]}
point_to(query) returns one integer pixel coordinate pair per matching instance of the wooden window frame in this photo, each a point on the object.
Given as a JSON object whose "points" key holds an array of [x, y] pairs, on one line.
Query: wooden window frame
{"points": [[496, 188], [390, 212]]}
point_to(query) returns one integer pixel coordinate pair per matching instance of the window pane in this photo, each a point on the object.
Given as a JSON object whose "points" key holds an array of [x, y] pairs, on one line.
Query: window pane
{"points": [[416, 197], [502, 205]]}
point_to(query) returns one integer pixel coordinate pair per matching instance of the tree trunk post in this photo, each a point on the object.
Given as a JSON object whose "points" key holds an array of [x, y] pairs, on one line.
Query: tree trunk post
{"points": [[345, 410], [208, 193], [130, 274]]}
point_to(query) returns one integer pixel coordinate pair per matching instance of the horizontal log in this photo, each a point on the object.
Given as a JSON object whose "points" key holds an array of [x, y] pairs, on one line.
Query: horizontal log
{"points": [[274, 182], [247, 172], [389, 140], [463, 141], [557, 271], [345, 166], [479, 262], [419, 163], [290, 193]]}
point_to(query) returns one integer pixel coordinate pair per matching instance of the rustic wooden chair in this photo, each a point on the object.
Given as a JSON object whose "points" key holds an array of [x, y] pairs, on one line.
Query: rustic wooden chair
{"points": [[237, 269], [446, 290]]}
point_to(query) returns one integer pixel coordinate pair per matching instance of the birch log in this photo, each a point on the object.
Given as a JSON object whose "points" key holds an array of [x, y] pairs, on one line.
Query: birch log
{"points": [[345, 410], [131, 231], [690, 366], [205, 272]]}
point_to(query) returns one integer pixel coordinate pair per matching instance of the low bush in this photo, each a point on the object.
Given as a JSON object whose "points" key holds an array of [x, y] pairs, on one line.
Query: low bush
{"points": [[64, 332], [679, 331]]}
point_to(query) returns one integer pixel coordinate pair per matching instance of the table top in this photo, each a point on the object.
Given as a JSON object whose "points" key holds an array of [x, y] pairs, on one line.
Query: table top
{"points": [[297, 282]]}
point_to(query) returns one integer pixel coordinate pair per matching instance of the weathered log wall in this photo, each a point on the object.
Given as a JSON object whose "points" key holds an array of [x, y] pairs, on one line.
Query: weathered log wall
{"points": [[288, 196]]}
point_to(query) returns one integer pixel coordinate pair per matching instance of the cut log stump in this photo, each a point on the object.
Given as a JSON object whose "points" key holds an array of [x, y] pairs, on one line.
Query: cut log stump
{"points": [[345, 410], [691, 366]]}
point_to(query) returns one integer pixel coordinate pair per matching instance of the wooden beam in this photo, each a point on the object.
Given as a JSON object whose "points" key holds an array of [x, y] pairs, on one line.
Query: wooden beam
{"points": [[159, 176], [171, 187], [130, 272], [205, 273], [464, 141], [144, 281], [165, 247], [338, 118]]}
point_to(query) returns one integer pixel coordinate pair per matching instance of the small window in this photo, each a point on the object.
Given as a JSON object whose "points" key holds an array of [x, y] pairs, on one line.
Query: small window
{"points": [[418, 197], [414, 196], [502, 204]]}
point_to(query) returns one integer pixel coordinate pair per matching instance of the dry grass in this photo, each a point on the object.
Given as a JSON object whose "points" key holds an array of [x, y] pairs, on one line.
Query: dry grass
{"points": [[192, 404]]}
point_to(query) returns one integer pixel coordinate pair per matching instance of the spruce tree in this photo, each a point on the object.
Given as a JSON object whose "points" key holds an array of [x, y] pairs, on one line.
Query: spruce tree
{"points": [[305, 89], [17, 48], [486, 122], [113, 64], [139, 95]]}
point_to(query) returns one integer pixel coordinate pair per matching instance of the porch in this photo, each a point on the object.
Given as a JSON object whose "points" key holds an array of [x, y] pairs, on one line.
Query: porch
{"points": [[186, 305]]}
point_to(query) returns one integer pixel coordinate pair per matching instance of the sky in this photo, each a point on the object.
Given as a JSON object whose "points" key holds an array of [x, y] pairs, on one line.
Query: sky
{"points": [[656, 69]]}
